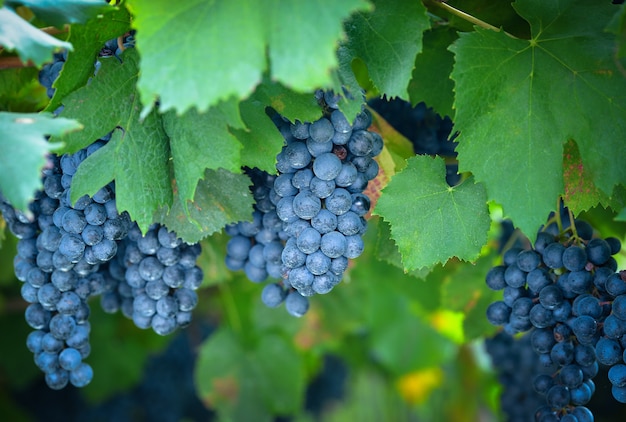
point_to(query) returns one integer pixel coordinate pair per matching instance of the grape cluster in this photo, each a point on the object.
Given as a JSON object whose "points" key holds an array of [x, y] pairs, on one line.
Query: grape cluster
{"points": [[154, 280], [65, 256], [68, 253], [309, 219], [115, 46], [60, 249], [255, 246], [429, 133], [517, 365], [565, 290], [50, 72]]}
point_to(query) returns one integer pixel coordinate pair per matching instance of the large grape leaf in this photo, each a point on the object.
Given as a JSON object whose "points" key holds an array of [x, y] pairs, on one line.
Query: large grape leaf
{"points": [[30, 43], [431, 221], [430, 80], [387, 39], [518, 101], [201, 141], [234, 37], [250, 383], [87, 39], [60, 12], [220, 198], [393, 340], [23, 148], [617, 26], [302, 37]]}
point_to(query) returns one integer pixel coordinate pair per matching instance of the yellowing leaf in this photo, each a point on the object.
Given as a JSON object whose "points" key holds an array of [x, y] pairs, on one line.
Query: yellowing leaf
{"points": [[416, 387]]}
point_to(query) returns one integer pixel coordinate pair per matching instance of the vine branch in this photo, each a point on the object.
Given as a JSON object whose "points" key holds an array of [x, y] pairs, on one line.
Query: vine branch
{"points": [[466, 16]]}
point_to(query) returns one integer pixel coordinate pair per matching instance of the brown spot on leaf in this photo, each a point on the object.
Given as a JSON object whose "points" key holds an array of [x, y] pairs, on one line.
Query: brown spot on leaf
{"points": [[225, 389]]}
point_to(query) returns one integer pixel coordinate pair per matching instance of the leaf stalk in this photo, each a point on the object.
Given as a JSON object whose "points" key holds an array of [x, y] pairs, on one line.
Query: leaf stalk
{"points": [[466, 16]]}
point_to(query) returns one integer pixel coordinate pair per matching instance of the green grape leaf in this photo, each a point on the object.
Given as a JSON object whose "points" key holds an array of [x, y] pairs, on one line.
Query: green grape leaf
{"points": [[137, 160], [288, 103], [430, 82], [20, 91], [250, 383], [30, 43], [300, 45], [60, 12], [88, 40], [235, 66], [387, 39], [464, 290], [617, 26], [282, 380], [393, 340], [518, 101], [23, 149], [261, 139], [346, 85], [397, 346], [100, 108], [201, 141], [221, 197], [304, 37], [386, 250], [431, 221]]}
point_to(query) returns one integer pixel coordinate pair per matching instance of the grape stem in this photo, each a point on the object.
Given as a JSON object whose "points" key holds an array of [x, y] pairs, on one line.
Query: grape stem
{"points": [[573, 226], [466, 16]]}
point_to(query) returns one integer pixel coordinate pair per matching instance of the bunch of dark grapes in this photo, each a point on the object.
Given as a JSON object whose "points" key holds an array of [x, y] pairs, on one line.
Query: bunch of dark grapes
{"points": [[154, 280], [50, 72], [255, 246], [309, 219], [517, 365], [60, 250], [66, 256], [63, 259], [564, 289], [429, 133]]}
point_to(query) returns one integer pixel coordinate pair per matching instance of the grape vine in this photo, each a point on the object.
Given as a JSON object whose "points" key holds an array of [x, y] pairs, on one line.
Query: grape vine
{"points": [[380, 170]]}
